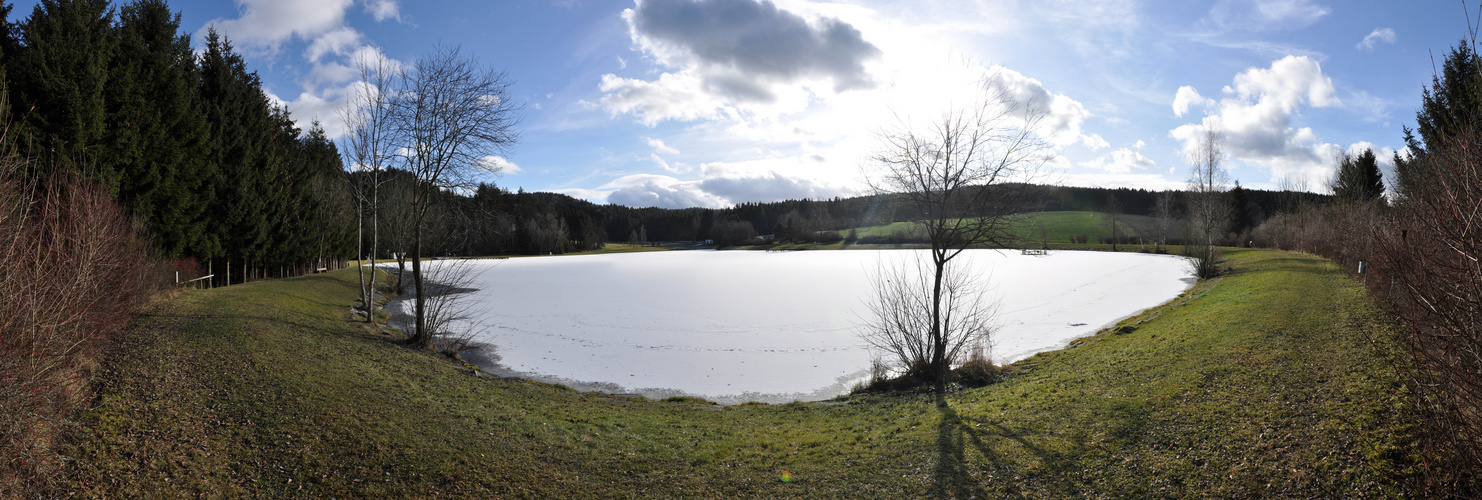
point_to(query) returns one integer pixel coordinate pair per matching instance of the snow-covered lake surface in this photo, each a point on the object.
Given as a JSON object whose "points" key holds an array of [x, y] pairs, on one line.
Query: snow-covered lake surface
{"points": [[736, 326]]}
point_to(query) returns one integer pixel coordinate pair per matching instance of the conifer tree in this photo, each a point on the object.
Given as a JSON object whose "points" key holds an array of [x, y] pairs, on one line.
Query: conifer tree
{"points": [[1447, 108], [1358, 178], [241, 130], [62, 72], [156, 129]]}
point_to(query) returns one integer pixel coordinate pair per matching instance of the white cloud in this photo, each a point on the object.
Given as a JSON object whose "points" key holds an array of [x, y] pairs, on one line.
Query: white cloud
{"points": [[1386, 35], [1120, 161], [325, 108], [1256, 113], [500, 164], [1061, 123], [1268, 15], [765, 181], [382, 10], [734, 56], [264, 24], [332, 49], [751, 38], [660, 147], [339, 41], [1187, 97], [646, 190], [790, 132], [671, 97], [676, 167]]}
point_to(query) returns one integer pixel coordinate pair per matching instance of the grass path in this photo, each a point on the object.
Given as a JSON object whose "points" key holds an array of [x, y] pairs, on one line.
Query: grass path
{"points": [[1263, 383]]}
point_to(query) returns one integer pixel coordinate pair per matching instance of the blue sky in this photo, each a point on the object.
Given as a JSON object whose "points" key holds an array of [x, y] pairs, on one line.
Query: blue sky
{"points": [[680, 103]]}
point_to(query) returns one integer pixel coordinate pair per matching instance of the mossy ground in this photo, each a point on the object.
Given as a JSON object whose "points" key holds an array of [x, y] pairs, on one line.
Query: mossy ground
{"points": [[1268, 381]]}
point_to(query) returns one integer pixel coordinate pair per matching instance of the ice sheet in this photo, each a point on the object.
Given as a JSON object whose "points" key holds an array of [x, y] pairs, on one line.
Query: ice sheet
{"points": [[735, 326]]}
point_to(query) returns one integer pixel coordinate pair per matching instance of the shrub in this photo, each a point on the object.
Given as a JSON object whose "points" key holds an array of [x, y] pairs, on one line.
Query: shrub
{"points": [[72, 275], [978, 370]]}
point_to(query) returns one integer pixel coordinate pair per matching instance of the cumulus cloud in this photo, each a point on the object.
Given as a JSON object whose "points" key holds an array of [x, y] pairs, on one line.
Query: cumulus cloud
{"points": [[332, 49], [755, 181], [339, 41], [720, 184], [733, 52], [752, 38], [1187, 97], [500, 164], [671, 97], [1120, 161], [1256, 113], [646, 190], [1386, 35], [266, 23], [1063, 116]]}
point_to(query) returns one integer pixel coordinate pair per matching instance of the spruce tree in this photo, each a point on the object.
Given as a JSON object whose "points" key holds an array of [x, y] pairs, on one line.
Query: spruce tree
{"points": [[156, 129], [241, 131], [1358, 178], [60, 75], [1241, 217], [1449, 107]]}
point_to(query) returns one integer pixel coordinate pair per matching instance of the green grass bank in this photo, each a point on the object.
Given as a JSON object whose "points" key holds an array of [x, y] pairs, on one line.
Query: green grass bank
{"points": [[1268, 382]]}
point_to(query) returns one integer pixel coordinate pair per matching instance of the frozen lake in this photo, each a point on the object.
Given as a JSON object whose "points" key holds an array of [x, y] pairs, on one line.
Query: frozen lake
{"points": [[736, 326]]}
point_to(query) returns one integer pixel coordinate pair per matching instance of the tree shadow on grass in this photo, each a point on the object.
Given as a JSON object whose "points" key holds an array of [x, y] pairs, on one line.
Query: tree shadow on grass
{"points": [[998, 474]]}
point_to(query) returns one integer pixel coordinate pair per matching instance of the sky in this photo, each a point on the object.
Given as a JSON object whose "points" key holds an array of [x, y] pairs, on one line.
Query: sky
{"points": [[682, 103]]}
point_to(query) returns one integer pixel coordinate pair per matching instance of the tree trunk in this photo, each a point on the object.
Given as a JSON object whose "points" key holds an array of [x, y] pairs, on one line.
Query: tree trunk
{"points": [[939, 371], [375, 228], [423, 338], [365, 295]]}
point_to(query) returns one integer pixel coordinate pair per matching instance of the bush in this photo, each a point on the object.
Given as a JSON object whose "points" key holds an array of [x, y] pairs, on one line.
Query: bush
{"points": [[979, 370], [72, 275], [1203, 261]]}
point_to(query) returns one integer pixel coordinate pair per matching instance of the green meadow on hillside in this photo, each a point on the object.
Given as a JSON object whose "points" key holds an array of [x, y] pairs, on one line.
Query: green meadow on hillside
{"points": [[1265, 382], [1056, 228]]}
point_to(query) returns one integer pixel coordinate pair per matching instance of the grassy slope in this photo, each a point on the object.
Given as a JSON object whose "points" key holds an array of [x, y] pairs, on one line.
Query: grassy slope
{"points": [[1259, 384], [1058, 227]]}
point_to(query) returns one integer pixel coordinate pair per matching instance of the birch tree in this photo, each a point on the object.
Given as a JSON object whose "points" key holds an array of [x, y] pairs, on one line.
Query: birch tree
{"points": [[371, 150], [451, 114]]}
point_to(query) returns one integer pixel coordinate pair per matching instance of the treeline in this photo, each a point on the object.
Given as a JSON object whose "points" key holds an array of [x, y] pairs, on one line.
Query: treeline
{"points": [[492, 220], [189, 143]]}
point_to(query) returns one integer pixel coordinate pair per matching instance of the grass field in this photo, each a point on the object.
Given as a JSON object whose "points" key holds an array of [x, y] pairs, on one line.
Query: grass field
{"points": [[1265, 382], [1057, 227]]}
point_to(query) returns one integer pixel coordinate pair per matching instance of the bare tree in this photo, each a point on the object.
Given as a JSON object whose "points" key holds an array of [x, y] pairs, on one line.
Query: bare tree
{"points": [[449, 316], [1163, 215], [965, 176], [1294, 206], [451, 115], [1208, 211], [367, 115], [905, 294]]}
